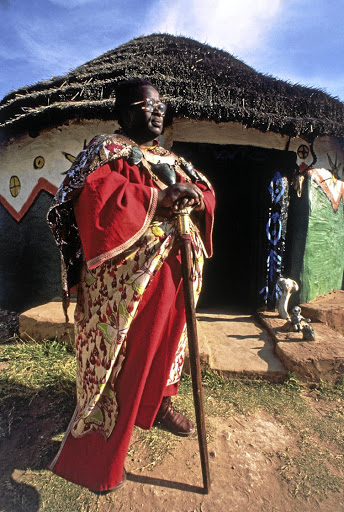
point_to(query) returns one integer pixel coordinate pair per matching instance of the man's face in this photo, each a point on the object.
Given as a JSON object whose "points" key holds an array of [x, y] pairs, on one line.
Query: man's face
{"points": [[140, 124]]}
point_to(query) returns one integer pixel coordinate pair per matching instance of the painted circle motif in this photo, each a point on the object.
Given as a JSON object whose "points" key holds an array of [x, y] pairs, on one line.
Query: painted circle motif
{"points": [[38, 162], [303, 151], [14, 186]]}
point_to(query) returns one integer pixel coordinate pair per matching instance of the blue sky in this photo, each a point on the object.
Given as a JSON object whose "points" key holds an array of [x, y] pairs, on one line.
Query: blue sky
{"points": [[297, 40]]}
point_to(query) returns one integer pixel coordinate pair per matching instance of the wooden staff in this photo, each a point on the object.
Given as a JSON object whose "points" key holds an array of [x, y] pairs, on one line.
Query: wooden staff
{"points": [[184, 233]]}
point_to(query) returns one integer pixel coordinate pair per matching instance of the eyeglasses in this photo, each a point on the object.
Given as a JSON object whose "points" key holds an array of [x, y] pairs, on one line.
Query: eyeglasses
{"points": [[150, 105]]}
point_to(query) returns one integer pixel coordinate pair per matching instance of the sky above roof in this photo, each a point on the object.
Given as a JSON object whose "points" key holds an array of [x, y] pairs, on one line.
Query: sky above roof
{"points": [[301, 41]]}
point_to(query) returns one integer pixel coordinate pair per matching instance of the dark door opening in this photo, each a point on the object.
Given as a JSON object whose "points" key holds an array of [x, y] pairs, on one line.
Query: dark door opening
{"points": [[241, 176]]}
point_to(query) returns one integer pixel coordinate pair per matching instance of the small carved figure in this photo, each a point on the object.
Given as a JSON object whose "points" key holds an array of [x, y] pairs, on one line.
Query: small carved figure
{"points": [[296, 319], [300, 324], [308, 333], [287, 287]]}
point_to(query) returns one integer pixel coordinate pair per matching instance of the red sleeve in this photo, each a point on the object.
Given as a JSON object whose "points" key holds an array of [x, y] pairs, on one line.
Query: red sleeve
{"points": [[113, 211], [207, 224]]}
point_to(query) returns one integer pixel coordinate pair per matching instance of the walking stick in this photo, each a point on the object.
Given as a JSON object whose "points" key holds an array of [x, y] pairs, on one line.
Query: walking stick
{"points": [[184, 233]]}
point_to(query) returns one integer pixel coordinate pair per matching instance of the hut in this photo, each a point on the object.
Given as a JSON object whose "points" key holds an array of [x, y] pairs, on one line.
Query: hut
{"points": [[273, 150]]}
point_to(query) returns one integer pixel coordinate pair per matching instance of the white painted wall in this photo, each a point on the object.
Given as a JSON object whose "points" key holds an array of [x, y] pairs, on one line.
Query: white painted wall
{"points": [[17, 157], [188, 130]]}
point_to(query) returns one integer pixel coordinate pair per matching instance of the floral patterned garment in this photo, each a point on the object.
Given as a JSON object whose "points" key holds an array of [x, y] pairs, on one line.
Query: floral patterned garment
{"points": [[61, 219], [108, 298], [110, 293]]}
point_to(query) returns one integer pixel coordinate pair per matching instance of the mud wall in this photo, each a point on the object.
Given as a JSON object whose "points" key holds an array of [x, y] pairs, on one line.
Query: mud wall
{"points": [[29, 258], [323, 262]]}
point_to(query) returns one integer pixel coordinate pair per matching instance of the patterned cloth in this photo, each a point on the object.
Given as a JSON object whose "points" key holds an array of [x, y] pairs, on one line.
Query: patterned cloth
{"points": [[108, 298], [113, 276]]}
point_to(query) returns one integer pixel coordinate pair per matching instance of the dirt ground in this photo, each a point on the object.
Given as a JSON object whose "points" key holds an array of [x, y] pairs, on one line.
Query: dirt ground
{"points": [[250, 456], [244, 474], [245, 466]]}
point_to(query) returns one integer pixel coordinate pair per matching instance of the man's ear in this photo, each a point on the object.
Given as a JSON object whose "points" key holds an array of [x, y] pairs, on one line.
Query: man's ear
{"points": [[126, 118]]}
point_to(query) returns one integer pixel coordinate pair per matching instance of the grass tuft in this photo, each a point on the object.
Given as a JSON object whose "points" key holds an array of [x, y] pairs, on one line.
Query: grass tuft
{"points": [[39, 365]]}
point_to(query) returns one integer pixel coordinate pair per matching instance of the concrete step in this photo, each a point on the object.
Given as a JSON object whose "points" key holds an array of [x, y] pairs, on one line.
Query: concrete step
{"points": [[237, 345], [233, 344], [322, 359], [47, 322], [327, 309]]}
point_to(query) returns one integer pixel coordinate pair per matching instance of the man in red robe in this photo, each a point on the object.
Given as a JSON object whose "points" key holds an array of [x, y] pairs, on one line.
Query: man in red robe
{"points": [[113, 219]]}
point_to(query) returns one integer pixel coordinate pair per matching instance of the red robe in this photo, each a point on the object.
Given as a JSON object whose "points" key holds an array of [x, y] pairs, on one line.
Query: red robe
{"points": [[114, 213]]}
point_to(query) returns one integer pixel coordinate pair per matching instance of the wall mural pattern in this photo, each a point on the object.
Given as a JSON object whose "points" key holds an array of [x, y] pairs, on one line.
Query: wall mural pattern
{"points": [[275, 231], [31, 165], [42, 184], [328, 174], [328, 179], [332, 187], [15, 186], [39, 162]]}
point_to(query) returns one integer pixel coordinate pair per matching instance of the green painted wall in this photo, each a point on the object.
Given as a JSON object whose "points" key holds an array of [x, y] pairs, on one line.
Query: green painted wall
{"points": [[323, 261]]}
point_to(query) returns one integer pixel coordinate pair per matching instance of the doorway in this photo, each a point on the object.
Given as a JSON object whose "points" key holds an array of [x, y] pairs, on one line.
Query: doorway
{"points": [[241, 175]]}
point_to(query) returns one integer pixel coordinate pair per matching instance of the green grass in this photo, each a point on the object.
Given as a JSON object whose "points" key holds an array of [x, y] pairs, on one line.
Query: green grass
{"points": [[39, 365], [44, 373]]}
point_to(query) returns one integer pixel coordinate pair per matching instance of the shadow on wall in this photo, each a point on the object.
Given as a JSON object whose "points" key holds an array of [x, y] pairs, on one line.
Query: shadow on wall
{"points": [[297, 229]]}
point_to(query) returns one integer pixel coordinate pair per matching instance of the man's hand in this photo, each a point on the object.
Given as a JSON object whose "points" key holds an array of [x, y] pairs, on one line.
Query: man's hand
{"points": [[179, 196]]}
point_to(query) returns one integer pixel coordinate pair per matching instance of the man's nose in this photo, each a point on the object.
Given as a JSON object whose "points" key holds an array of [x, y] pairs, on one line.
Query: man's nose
{"points": [[157, 111]]}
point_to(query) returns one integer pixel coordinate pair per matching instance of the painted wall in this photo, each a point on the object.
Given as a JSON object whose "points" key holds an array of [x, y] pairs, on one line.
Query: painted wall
{"points": [[31, 169], [323, 261], [29, 165], [29, 258]]}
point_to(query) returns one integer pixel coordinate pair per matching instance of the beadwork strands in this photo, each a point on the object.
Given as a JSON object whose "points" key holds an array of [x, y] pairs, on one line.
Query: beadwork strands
{"points": [[276, 229]]}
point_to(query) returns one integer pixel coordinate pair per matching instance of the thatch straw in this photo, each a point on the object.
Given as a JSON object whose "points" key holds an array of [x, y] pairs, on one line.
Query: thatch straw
{"points": [[197, 81]]}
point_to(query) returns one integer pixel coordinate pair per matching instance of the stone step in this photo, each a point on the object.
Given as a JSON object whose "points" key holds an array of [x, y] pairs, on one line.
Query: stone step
{"points": [[47, 322], [322, 359], [234, 344], [328, 309], [237, 345], [230, 343]]}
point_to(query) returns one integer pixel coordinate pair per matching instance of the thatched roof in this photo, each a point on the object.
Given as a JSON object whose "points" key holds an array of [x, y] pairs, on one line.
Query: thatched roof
{"points": [[197, 81]]}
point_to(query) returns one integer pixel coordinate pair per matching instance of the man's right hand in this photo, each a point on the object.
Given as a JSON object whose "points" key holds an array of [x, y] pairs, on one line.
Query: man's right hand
{"points": [[179, 196]]}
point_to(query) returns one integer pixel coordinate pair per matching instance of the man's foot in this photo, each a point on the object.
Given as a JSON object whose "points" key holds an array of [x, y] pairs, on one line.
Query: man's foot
{"points": [[114, 489], [173, 420]]}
